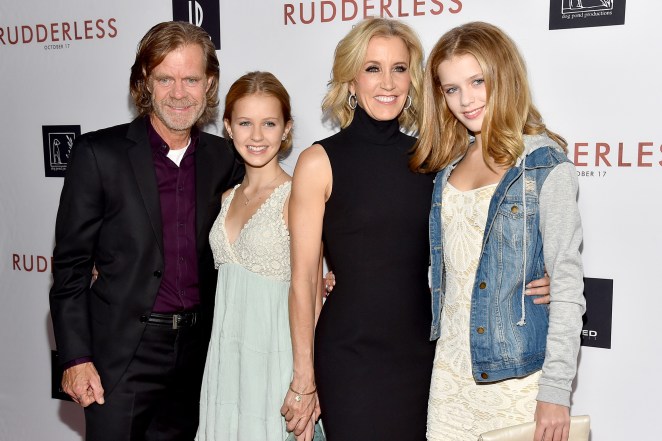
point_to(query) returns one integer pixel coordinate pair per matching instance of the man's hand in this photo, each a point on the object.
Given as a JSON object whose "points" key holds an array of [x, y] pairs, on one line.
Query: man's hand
{"points": [[83, 384]]}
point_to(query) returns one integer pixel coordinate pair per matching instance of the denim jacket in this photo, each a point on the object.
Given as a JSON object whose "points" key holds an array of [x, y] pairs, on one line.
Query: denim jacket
{"points": [[508, 332]]}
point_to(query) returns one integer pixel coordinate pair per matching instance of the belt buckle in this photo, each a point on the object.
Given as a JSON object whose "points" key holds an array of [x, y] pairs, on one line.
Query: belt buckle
{"points": [[175, 320]]}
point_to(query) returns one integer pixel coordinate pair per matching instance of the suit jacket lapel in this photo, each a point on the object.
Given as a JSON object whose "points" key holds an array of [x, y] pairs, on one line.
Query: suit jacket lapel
{"points": [[140, 156], [204, 189]]}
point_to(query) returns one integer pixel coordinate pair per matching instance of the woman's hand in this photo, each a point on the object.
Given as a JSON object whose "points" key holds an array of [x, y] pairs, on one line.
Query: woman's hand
{"points": [[329, 283], [539, 288], [299, 410], [552, 422]]}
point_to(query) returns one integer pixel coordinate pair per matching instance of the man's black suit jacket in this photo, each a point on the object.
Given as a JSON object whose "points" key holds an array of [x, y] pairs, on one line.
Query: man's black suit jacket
{"points": [[109, 216]]}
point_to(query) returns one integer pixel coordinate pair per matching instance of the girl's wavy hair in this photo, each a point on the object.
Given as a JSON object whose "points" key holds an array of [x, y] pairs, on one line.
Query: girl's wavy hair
{"points": [[509, 111], [160, 41], [264, 83], [349, 57]]}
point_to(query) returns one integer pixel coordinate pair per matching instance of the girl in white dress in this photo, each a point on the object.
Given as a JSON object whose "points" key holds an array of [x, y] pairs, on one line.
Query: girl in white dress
{"points": [[503, 207]]}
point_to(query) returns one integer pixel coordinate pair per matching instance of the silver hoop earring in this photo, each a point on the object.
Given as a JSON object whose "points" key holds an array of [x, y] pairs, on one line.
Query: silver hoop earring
{"points": [[408, 105], [352, 104]]}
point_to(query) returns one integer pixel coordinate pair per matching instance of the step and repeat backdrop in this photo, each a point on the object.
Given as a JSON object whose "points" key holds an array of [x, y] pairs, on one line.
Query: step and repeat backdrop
{"points": [[596, 73]]}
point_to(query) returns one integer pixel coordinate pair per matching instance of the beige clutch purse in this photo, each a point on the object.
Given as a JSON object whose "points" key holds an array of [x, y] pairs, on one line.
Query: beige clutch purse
{"points": [[580, 426]]}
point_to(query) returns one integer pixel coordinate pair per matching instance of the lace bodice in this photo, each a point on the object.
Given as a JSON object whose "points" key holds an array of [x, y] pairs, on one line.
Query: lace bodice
{"points": [[263, 244]]}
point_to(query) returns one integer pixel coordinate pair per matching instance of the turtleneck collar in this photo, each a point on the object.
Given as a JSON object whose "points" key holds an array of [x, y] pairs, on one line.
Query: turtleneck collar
{"points": [[373, 131]]}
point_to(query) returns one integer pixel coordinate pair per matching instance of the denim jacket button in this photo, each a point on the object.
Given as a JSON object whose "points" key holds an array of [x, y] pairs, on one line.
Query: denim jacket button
{"points": [[482, 285], [514, 209], [484, 376], [480, 330]]}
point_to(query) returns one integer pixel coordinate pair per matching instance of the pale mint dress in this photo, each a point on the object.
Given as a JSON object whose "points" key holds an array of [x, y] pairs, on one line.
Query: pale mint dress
{"points": [[249, 362]]}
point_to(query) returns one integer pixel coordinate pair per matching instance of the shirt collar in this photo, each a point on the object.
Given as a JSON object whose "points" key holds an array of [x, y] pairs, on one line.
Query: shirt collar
{"points": [[158, 145]]}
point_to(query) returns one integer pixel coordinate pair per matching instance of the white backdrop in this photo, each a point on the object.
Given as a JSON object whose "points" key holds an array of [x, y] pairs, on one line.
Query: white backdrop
{"points": [[594, 85]]}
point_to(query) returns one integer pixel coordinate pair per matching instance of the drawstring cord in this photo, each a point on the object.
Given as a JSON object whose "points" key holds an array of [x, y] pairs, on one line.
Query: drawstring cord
{"points": [[522, 320]]}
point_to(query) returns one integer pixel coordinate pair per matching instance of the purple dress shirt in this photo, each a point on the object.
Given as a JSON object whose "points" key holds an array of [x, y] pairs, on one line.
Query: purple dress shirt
{"points": [[179, 285]]}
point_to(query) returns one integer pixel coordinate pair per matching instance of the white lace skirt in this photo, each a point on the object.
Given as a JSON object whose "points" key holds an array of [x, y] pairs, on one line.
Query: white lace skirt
{"points": [[458, 408]]}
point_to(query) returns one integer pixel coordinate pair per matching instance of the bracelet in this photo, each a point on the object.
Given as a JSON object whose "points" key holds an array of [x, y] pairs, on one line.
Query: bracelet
{"points": [[297, 396]]}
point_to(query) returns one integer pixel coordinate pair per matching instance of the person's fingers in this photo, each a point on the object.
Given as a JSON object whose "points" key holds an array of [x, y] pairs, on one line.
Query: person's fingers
{"points": [[96, 390], [86, 399], [540, 291], [542, 300], [300, 426], [291, 422]]}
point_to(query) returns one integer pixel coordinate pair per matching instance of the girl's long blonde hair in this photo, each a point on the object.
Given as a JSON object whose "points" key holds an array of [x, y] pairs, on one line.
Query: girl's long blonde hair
{"points": [[509, 111]]}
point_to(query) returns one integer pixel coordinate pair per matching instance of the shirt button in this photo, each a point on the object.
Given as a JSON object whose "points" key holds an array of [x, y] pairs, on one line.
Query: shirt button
{"points": [[482, 285], [514, 209], [180, 188], [484, 376], [181, 259], [157, 273], [480, 330]]}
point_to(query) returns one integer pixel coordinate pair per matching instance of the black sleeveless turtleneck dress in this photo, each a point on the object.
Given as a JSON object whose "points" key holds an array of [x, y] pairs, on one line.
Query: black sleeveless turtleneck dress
{"points": [[373, 357]]}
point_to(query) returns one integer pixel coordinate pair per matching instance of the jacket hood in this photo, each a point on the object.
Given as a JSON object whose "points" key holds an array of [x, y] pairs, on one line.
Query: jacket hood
{"points": [[534, 142]]}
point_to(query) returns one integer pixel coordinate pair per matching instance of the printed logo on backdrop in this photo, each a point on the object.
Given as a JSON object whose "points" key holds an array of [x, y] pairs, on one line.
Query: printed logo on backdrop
{"points": [[328, 11], [203, 13], [31, 263], [600, 159], [566, 14], [56, 379], [58, 141], [599, 294], [57, 35]]}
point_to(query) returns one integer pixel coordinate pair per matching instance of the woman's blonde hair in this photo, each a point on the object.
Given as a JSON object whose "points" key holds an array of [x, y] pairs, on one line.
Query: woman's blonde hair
{"points": [[349, 58], [509, 111]]}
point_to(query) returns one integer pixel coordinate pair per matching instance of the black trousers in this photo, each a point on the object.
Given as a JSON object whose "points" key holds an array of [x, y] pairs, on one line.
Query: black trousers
{"points": [[157, 398]]}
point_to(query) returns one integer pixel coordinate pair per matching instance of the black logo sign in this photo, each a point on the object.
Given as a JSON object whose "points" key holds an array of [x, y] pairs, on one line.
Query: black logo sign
{"points": [[599, 294], [58, 141], [203, 13], [56, 379], [566, 14]]}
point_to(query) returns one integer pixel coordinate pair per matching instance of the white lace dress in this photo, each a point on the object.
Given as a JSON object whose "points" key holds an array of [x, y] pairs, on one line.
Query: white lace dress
{"points": [[458, 408], [249, 362]]}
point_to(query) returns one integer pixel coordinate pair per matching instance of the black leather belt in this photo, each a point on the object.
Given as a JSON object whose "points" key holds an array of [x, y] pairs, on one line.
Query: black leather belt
{"points": [[177, 320]]}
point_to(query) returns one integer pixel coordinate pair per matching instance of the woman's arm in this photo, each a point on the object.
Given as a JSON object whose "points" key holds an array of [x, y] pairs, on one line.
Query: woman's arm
{"points": [[560, 225], [321, 286], [311, 187]]}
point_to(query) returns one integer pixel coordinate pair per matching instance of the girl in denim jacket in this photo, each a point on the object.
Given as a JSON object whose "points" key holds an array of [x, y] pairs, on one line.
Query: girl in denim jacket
{"points": [[503, 207]]}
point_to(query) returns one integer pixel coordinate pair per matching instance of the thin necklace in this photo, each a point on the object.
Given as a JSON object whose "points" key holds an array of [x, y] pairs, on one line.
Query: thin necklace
{"points": [[257, 193]]}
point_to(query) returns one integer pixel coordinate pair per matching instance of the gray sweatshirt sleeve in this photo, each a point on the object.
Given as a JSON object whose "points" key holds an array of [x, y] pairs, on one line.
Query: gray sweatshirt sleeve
{"points": [[561, 230]]}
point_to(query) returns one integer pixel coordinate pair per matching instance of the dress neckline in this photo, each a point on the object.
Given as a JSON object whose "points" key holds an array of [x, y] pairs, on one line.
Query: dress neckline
{"points": [[250, 219], [471, 190]]}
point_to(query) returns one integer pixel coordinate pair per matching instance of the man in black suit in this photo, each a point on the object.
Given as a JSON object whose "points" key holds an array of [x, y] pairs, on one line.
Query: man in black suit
{"points": [[138, 202]]}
